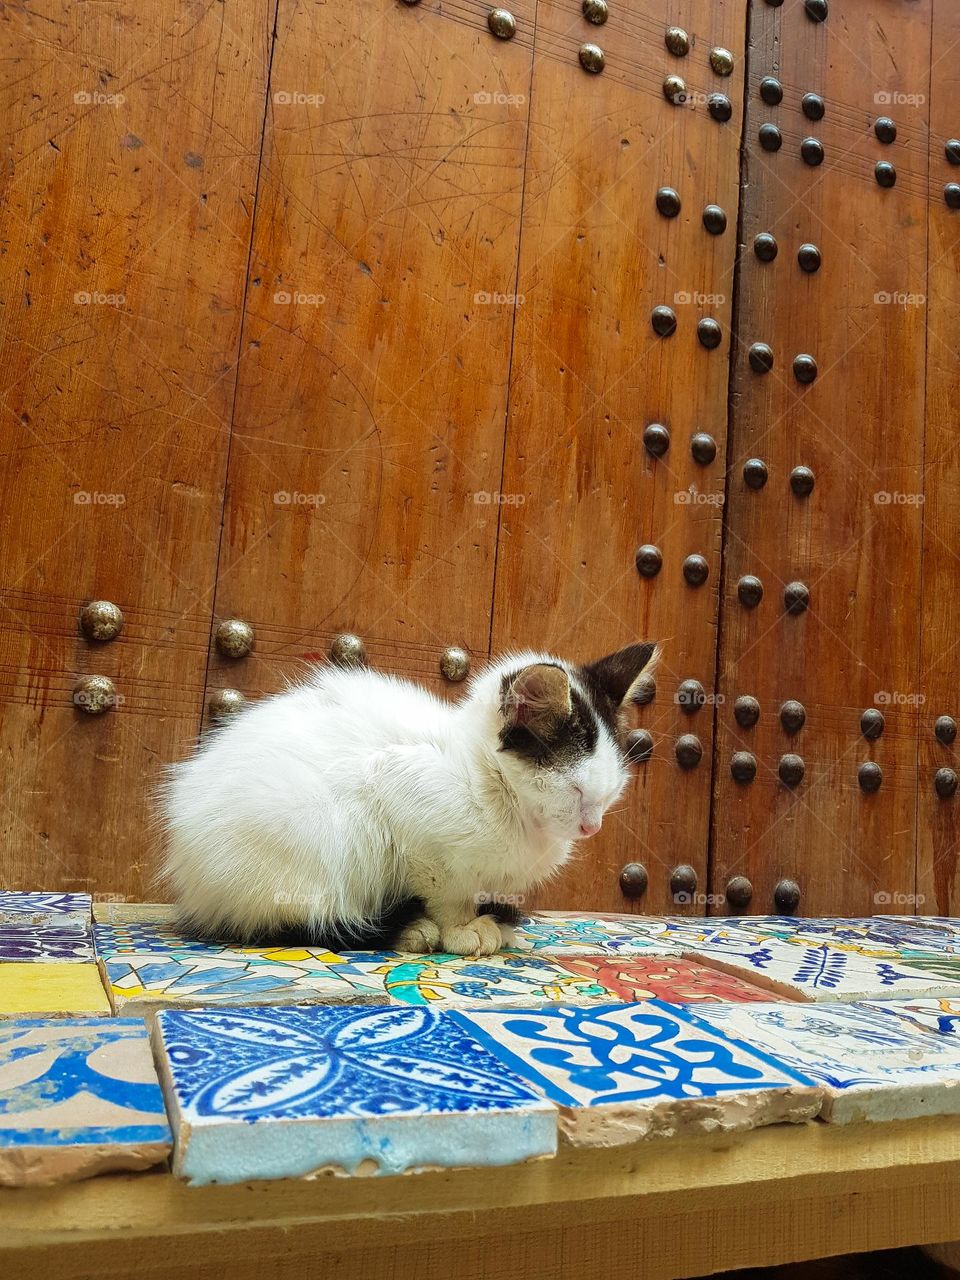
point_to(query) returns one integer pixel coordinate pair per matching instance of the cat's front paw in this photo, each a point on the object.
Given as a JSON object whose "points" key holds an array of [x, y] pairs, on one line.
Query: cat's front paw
{"points": [[421, 937], [481, 937]]}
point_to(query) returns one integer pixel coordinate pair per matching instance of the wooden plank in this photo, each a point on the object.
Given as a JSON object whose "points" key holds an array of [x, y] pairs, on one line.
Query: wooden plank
{"points": [[589, 375], [128, 187]]}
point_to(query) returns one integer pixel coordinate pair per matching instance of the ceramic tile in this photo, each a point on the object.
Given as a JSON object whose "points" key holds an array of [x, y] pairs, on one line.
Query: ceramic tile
{"points": [[53, 988], [872, 1064], [256, 1094], [621, 1072], [45, 942], [70, 909], [940, 1016], [134, 912], [868, 935], [557, 933], [673, 979], [77, 1097]]}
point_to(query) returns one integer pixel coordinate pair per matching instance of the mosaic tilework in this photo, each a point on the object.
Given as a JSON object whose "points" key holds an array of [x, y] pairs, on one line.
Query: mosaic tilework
{"points": [[260, 1093], [46, 941], [53, 988], [77, 1097], [671, 978], [557, 933], [70, 909], [869, 935]]}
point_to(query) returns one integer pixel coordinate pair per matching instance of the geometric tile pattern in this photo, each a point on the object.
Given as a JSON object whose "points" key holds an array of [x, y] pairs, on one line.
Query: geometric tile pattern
{"points": [[70, 909]]}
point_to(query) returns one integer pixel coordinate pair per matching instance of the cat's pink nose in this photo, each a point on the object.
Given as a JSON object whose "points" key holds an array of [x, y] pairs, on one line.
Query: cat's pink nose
{"points": [[588, 827]]}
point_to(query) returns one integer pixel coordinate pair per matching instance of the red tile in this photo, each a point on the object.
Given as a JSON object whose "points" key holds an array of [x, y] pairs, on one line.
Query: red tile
{"points": [[676, 980]]}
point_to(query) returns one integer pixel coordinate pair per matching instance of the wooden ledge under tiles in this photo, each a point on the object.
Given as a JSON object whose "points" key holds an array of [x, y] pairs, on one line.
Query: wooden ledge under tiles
{"points": [[683, 1207]]}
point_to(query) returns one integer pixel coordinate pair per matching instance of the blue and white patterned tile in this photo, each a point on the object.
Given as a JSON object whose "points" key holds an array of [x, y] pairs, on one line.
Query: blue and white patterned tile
{"points": [[260, 1093], [627, 1071], [563, 933], [939, 1016], [867, 935], [77, 1097], [872, 1064], [71, 910], [48, 941]]}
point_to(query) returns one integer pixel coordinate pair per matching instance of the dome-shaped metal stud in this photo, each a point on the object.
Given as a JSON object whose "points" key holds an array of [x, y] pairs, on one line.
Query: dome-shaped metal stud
{"points": [[683, 884], [791, 769], [455, 664], [793, 715], [633, 880], [677, 41], [945, 782], [411, 2], [656, 439], [951, 195], [749, 591], [765, 246], [94, 695], [738, 892], [771, 139], [688, 751], [786, 897], [804, 369], [224, 703], [644, 691], [592, 58], [771, 91], [720, 107], [746, 711], [869, 776], [348, 650], [743, 766], [802, 481], [886, 174], [664, 321], [101, 620], [760, 356], [811, 151], [690, 696], [755, 473], [709, 333], [703, 448], [816, 10], [796, 597], [951, 149], [808, 256], [714, 219], [675, 90], [234, 638], [721, 61], [774, 4], [638, 746], [596, 11], [813, 106], [649, 560], [885, 129], [696, 570], [502, 23], [945, 730], [668, 202], [872, 724]]}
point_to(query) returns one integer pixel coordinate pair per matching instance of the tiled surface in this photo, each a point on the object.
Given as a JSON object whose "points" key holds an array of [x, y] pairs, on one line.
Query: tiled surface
{"points": [[266, 1093], [77, 1097], [44, 942], [556, 933], [34, 908], [133, 912], [53, 988], [670, 978], [940, 1016], [872, 935], [621, 1072]]}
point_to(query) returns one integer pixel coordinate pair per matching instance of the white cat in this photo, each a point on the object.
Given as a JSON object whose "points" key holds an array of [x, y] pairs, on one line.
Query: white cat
{"points": [[358, 803]]}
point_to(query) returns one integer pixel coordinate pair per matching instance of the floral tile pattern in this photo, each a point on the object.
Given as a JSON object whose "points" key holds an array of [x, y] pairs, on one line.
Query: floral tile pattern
{"points": [[77, 1097], [557, 933], [54, 988], [268, 1093], [70, 909], [47, 941], [673, 979], [869, 935], [939, 1016]]}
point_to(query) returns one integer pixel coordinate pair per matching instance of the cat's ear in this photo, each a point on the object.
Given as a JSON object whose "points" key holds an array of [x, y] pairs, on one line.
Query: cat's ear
{"points": [[538, 698], [617, 674]]}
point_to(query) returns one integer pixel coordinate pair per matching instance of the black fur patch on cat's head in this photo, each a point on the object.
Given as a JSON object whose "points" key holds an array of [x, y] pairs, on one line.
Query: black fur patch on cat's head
{"points": [[610, 682], [546, 720]]}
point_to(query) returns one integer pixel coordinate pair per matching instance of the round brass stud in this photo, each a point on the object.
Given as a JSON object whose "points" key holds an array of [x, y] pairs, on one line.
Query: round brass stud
{"points": [[885, 129], [813, 106], [688, 751], [945, 730], [234, 638], [638, 747], [675, 90], [786, 897], [808, 255], [721, 61], [709, 333], [765, 246], [101, 620], [816, 10], [746, 711], [802, 481], [677, 41], [945, 781], [703, 448], [743, 766], [951, 195], [668, 202], [811, 151], [755, 473], [869, 776], [225, 703], [791, 769], [502, 23], [720, 107], [951, 149], [664, 321], [771, 91], [796, 597], [770, 137], [872, 724], [683, 884], [690, 696], [886, 174], [633, 880], [455, 664], [94, 695], [749, 591], [714, 219], [656, 439], [804, 369], [644, 691], [739, 891], [760, 356], [596, 11], [793, 715], [696, 570], [649, 560], [348, 650], [592, 58]]}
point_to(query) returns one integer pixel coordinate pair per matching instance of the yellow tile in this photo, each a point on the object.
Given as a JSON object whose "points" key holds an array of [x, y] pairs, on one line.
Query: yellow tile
{"points": [[64, 990], [134, 912]]}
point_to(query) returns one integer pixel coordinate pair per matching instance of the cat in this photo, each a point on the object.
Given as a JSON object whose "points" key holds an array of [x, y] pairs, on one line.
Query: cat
{"points": [[357, 809]]}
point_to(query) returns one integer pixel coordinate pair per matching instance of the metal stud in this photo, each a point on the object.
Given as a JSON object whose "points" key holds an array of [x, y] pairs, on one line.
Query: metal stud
{"points": [[225, 703], [761, 357], [720, 107], [664, 321], [101, 620], [872, 724], [813, 106], [639, 746], [886, 174], [633, 880], [739, 891], [411, 2], [791, 769], [793, 715], [714, 219], [885, 129], [502, 23], [677, 41], [771, 91], [644, 691], [721, 60], [596, 11], [675, 90], [649, 561], [709, 333], [945, 781], [592, 58], [870, 776], [796, 597], [755, 473], [348, 650], [802, 481], [774, 4], [668, 202], [808, 255], [746, 711], [749, 591], [688, 751], [455, 664], [804, 369], [816, 10], [656, 439], [951, 149], [743, 766], [770, 137], [234, 638], [683, 883], [945, 730], [765, 246], [690, 696], [786, 897], [811, 151], [696, 570], [94, 695], [703, 447], [951, 194]]}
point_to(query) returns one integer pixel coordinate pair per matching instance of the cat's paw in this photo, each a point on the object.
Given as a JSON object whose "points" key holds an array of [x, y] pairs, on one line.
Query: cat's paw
{"points": [[421, 937], [508, 935], [481, 937]]}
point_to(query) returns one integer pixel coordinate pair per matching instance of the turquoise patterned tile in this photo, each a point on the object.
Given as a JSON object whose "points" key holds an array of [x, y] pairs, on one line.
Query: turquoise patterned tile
{"points": [[71, 910], [571, 933]]}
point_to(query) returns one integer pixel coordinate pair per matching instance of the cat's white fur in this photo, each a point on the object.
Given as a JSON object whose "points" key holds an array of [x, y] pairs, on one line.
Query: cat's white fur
{"points": [[355, 788]]}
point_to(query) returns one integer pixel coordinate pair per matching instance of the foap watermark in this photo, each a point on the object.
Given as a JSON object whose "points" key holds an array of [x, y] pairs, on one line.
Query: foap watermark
{"points": [[692, 497], [294, 98], [899, 299], [485, 899], [84, 299], [684, 298], [698, 698], [294, 498], [97, 699], [894, 98], [96, 98], [288, 298], [698, 899], [484, 498], [894, 498], [897, 698], [483, 299], [882, 898], [93, 498], [483, 98]]}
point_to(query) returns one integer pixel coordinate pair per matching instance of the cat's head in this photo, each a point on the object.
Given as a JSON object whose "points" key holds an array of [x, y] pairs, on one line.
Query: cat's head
{"points": [[561, 734]]}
